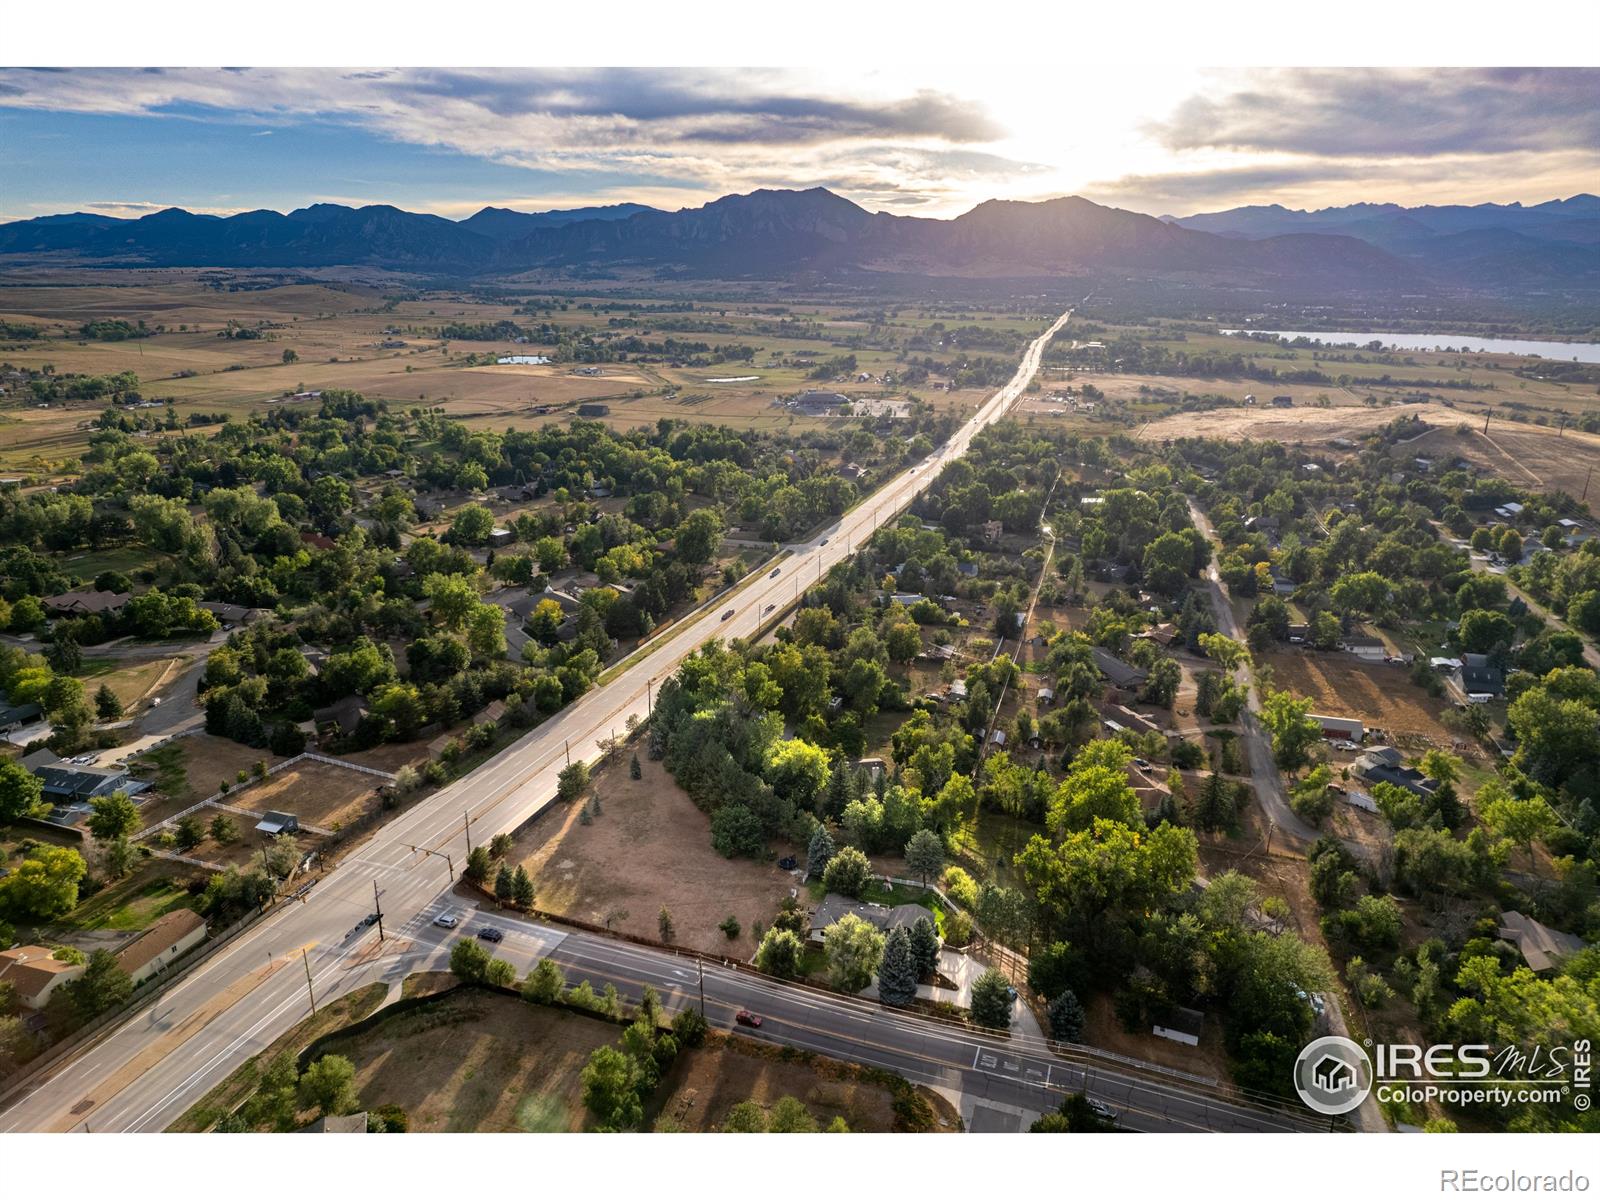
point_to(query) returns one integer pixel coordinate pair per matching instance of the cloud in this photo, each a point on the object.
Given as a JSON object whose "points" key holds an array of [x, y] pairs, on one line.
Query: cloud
{"points": [[1365, 113]]}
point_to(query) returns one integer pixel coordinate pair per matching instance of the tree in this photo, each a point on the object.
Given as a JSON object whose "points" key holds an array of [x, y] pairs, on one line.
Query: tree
{"points": [[544, 983], [1067, 1017], [1362, 593], [113, 816], [44, 885], [503, 886], [924, 945], [635, 771], [478, 863], [1076, 1115], [820, 852], [102, 986], [190, 831], [572, 781], [1482, 631], [611, 1089], [1523, 821], [854, 949], [329, 1086], [992, 1000], [290, 356], [1441, 765], [500, 973], [897, 970], [1226, 652], [1096, 787], [119, 856], [469, 962], [21, 791], [791, 1116], [730, 927], [522, 891], [223, 829], [472, 525], [925, 854], [745, 1117], [780, 953], [1293, 731], [848, 872], [664, 924], [106, 705]]}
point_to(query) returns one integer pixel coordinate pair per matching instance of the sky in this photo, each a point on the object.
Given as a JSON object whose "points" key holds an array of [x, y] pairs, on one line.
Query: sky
{"points": [[1161, 140]]}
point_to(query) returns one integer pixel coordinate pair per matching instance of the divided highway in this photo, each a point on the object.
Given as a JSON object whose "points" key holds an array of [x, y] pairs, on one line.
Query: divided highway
{"points": [[152, 1066]]}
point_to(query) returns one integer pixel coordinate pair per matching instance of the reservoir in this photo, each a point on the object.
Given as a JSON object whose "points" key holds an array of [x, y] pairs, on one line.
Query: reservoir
{"points": [[1587, 352]]}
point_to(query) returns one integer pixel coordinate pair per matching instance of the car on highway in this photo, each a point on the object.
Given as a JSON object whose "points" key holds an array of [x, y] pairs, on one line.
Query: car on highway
{"points": [[823, 542], [1101, 1109], [768, 609], [445, 921], [490, 934], [369, 919], [727, 614], [745, 1017], [773, 574]]}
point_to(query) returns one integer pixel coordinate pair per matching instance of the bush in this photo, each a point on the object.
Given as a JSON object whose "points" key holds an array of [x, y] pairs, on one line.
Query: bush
{"points": [[960, 887], [469, 962], [848, 872], [689, 1027], [544, 983], [730, 927]]}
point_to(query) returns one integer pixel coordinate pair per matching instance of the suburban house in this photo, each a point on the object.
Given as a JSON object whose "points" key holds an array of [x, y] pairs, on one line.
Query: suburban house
{"points": [[68, 783], [231, 614], [346, 712], [1477, 676], [172, 935], [1121, 674], [1383, 764], [346, 1123], [1126, 718], [1370, 649], [85, 602], [1046, 696], [34, 974], [820, 402], [501, 536], [1542, 948], [879, 916], [1342, 728], [12, 715]]}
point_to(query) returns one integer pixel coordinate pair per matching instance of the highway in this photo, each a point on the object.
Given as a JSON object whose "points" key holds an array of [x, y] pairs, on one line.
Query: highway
{"points": [[148, 1069]]}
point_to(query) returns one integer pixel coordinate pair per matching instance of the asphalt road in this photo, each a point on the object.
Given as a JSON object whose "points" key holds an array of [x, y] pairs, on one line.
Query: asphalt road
{"points": [[148, 1069]]}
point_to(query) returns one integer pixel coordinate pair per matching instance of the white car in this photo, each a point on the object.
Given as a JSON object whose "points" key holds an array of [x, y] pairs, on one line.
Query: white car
{"points": [[445, 921]]}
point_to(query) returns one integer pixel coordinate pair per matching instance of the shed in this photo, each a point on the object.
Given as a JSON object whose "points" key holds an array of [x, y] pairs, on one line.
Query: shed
{"points": [[1183, 1025], [275, 823]]}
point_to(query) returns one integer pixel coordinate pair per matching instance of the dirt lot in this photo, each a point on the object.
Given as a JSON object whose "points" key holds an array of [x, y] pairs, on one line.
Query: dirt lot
{"points": [[479, 1063], [649, 846], [1379, 694], [315, 792], [697, 1093], [191, 768]]}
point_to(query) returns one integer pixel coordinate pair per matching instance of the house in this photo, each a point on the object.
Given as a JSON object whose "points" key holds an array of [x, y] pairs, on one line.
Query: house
{"points": [[1382, 764], [320, 541], [85, 602], [1369, 649], [1342, 728], [1283, 402], [958, 690], [1046, 696], [501, 536], [275, 823], [1542, 948], [1299, 633], [34, 974], [68, 783], [997, 739], [173, 935], [594, 410], [820, 402], [1282, 585], [881, 917], [1267, 525], [1182, 1025], [346, 713], [1121, 674], [230, 614], [992, 531], [1477, 676], [1126, 718], [873, 767], [1163, 634], [598, 491], [13, 715]]}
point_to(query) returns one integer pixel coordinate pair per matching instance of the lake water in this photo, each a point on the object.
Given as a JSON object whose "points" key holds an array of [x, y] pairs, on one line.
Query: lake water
{"points": [[526, 360], [1587, 352]]}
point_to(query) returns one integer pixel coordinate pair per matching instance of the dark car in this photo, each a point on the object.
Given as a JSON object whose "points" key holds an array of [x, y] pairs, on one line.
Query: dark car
{"points": [[490, 934], [369, 919], [745, 1017], [773, 574], [823, 542], [727, 614]]}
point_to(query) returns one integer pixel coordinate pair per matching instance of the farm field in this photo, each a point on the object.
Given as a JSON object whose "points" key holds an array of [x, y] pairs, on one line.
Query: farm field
{"points": [[620, 864]]}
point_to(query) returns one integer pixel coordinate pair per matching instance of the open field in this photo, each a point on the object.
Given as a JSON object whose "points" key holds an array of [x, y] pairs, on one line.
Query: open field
{"points": [[130, 682], [1378, 693], [315, 792], [477, 1062], [650, 846], [191, 768]]}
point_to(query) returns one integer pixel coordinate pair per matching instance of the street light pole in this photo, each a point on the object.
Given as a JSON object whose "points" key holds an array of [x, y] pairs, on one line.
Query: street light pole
{"points": [[377, 907], [305, 958], [701, 968], [466, 824]]}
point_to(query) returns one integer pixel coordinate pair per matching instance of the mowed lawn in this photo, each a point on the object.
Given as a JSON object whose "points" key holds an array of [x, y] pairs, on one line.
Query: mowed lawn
{"points": [[476, 1062]]}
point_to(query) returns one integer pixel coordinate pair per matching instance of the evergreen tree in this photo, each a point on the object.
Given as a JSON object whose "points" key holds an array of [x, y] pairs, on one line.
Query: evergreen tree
{"points": [[635, 771], [897, 972], [924, 946], [1066, 1017], [504, 889], [478, 864], [841, 788], [522, 887], [106, 705], [819, 853]]}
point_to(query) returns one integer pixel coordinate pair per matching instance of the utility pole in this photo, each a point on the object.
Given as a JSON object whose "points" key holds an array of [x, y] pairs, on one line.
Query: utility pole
{"points": [[649, 709], [466, 824], [304, 958], [377, 907], [701, 968], [567, 750], [1485, 423], [1586, 478]]}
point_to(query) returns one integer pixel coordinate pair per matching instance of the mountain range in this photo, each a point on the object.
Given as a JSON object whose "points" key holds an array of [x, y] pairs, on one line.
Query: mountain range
{"points": [[784, 234]]}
